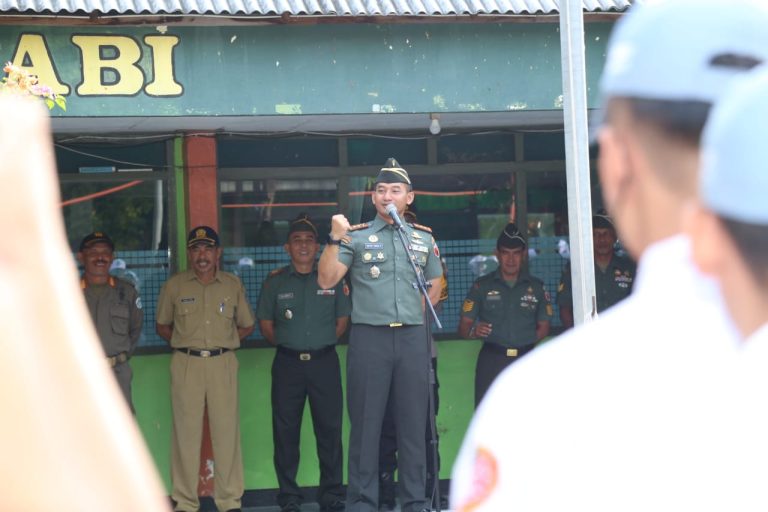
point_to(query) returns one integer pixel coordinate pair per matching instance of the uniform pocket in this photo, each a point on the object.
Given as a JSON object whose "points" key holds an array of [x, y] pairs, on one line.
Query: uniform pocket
{"points": [[119, 316]]}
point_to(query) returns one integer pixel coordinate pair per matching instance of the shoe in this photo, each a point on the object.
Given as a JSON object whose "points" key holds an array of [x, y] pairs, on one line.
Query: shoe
{"points": [[334, 506], [291, 507], [386, 492]]}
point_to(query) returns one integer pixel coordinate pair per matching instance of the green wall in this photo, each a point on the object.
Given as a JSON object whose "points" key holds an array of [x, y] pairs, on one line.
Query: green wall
{"points": [[151, 391], [319, 69]]}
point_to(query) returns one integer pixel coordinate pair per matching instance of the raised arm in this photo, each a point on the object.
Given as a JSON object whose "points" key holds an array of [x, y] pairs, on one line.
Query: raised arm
{"points": [[329, 269]]}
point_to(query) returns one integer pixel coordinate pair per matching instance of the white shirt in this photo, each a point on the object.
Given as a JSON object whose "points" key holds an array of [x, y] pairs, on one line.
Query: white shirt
{"points": [[641, 410]]}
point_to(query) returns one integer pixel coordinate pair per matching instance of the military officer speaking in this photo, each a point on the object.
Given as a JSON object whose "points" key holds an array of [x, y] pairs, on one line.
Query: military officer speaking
{"points": [[114, 304], [305, 322], [508, 309], [388, 347], [614, 273], [204, 314]]}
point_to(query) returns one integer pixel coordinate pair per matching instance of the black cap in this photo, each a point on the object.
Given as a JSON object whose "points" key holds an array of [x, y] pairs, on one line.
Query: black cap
{"points": [[602, 220], [302, 222], [510, 237], [393, 173], [203, 234], [97, 237]]}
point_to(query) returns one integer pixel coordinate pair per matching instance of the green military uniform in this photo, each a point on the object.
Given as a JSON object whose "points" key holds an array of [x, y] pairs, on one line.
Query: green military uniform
{"points": [[116, 312], [514, 312], [612, 284], [205, 319], [305, 366], [388, 351]]}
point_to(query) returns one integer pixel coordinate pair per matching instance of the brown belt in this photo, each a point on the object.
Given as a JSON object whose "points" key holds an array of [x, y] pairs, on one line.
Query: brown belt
{"points": [[117, 359]]}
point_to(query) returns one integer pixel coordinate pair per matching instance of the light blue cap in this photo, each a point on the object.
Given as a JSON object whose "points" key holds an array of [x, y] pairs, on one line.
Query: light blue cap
{"points": [[675, 49], [734, 172]]}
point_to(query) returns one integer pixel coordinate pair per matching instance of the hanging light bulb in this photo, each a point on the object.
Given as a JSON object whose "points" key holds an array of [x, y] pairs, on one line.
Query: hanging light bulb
{"points": [[434, 124]]}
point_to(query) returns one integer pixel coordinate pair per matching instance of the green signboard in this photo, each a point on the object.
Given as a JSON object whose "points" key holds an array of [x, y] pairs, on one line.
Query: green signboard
{"points": [[289, 70]]}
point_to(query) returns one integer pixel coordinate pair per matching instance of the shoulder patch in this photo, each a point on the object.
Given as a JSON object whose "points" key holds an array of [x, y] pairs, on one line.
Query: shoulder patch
{"points": [[277, 271], [357, 227], [422, 228]]}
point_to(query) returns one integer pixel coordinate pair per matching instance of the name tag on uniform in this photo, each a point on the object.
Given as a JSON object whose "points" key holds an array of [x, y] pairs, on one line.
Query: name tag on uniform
{"points": [[326, 292], [419, 248], [369, 247], [188, 300], [288, 295]]}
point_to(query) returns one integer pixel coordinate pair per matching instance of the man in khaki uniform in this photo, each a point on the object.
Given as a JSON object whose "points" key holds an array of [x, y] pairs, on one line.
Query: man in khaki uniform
{"points": [[204, 314], [114, 305]]}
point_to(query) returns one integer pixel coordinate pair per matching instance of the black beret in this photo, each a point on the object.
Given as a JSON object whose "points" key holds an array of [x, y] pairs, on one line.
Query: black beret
{"points": [[602, 220], [510, 237], [393, 173], [302, 223]]}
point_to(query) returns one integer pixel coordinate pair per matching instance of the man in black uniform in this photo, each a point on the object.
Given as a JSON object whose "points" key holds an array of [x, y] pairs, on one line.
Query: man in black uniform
{"points": [[388, 348], [114, 305], [305, 322], [508, 309]]}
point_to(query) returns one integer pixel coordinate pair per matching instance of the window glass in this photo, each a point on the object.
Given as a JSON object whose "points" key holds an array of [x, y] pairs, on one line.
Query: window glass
{"points": [[375, 151], [291, 152], [99, 158], [455, 149], [544, 146]]}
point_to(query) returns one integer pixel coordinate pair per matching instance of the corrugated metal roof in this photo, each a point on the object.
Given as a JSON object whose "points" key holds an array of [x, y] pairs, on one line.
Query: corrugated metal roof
{"points": [[304, 7]]}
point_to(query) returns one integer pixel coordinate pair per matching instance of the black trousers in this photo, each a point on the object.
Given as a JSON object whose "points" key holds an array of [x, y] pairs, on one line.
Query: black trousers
{"points": [[388, 445], [293, 381], [491, 361], [381, 359]]}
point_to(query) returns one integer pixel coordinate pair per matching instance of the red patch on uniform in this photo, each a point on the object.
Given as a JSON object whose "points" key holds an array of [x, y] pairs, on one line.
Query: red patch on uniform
{"points": [[485, 476], [346, 289], [437, 251]]}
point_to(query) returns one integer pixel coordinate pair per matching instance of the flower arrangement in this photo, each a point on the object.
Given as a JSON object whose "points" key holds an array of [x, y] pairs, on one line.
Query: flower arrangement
{"points": [[18, 81]]}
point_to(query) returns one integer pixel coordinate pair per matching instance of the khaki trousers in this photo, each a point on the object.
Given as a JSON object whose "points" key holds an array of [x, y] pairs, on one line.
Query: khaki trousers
{"points": [[196, 381]]}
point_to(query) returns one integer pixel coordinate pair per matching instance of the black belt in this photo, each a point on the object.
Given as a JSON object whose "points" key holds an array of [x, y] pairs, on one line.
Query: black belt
{"points": [[508, 351], [203, 353], [305, 355]]}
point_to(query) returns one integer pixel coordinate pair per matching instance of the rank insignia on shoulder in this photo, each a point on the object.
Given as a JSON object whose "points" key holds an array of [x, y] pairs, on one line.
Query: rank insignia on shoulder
{"points": [[423, 228], [357, 227], [277, 271], [467, 306]]}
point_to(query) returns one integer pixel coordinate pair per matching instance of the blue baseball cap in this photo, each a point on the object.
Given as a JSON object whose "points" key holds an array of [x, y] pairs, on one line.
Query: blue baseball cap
{"points": [[684, 50], [734, 178]]}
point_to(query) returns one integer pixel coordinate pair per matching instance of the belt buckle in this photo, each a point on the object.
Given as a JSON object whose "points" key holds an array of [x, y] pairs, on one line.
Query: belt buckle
{"points": [[305, 356], [111, 361], [395, 324], [205, 353], [511, 352]]}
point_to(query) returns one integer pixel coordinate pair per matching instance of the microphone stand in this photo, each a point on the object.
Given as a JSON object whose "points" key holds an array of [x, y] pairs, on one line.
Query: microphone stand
{"points": [[422, 284]]}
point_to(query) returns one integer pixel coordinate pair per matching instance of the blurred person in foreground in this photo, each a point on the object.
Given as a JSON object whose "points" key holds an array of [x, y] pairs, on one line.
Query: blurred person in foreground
{"points": [[624, 413], [70, 441]]}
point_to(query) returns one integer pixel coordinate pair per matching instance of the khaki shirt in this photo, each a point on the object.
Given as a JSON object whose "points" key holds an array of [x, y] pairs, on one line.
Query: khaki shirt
{"points": [[382, 279], [204, 316], [116, 312]]}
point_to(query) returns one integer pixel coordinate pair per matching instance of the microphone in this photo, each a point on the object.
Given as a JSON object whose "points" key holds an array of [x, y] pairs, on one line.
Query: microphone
{"points": [[392, 211]]}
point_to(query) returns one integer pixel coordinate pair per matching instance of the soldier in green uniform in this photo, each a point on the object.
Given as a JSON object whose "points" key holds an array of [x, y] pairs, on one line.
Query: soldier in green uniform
{"points": [[508, 309], [204, 314], [305, 322], [388, 347], [114, 304], [614, 274]]}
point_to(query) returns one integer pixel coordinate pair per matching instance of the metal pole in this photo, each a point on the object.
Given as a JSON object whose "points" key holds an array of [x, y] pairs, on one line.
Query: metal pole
{"points": [[577, 160]]}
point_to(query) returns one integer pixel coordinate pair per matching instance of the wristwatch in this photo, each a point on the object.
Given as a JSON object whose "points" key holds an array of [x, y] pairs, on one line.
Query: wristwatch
{"points": [[331, 241]]}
